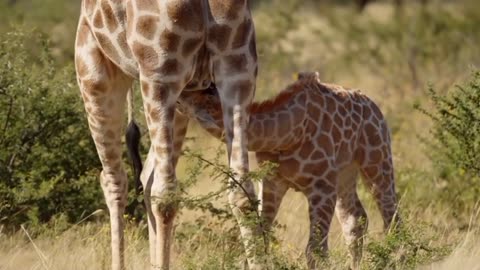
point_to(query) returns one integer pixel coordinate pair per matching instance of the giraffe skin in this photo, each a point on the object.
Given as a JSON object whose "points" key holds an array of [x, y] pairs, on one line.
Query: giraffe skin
{"points": [[322, 137], [170, 46]]}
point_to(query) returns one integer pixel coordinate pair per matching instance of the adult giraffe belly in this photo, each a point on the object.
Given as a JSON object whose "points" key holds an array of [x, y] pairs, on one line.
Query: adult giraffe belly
{"points": [[116, 23], [108, 23]]}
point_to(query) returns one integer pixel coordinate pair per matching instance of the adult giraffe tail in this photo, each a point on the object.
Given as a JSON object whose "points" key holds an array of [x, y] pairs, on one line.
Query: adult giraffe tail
{"points": [[132, 137]]}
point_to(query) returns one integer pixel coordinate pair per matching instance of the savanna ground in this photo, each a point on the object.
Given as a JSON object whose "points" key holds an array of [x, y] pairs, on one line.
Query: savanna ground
{"points": [[52, 214]]}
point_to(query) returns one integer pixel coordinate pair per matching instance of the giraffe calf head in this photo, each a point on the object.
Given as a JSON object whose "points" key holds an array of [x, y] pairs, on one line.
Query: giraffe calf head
{"points": [[204, 106]]}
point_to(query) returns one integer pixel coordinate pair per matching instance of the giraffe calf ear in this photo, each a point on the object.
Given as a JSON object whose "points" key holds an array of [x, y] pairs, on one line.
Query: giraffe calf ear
{"points": [[308, 75]]}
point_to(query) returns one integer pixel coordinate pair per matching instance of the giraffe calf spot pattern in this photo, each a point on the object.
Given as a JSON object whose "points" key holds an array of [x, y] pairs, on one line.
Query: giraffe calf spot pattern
{"points": [[335, 139]]}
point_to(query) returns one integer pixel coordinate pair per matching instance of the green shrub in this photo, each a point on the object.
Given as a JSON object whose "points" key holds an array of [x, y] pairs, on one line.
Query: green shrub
{"points": [[456, 145], [48, 163]]}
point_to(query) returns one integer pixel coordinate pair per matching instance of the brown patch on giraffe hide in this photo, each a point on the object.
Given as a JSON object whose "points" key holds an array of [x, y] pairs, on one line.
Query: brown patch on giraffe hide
{"points": [[236, 64], [169, 41], [315, 199], [190, 46], [323, 216], [170, 67], [356, 117], [161, 150], [313, 110], [376, 111], [82, 33], [98, 19], [154, 114], [108, 47], [149, 5], [372, 134], [374, 139], [186, 14], [371, 171], [268, 126], [146, 56], [111, 155], [109, 16], [317, 155], [146, 26], [110, 134], [303, 181], [331, 177], [153, 132], [341, 110], [336, 134], [324, 186], [326, 123], [94, 88], [348, 134], [331, 104], [325, 142], [268, 209], [367, 113], [289, 167], [242, 34], [348, 121], [145, 89], [306, 150], [122, 42], [268, 196], [81, 67], [219, 35], [253, 48], [387, 165], [226, 9], [375, 156], [160, 93], [284, 124], [359, 155]]}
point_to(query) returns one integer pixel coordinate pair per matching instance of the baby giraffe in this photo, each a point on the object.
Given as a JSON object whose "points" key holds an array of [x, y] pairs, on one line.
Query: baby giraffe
{"points": [[321, 136]]}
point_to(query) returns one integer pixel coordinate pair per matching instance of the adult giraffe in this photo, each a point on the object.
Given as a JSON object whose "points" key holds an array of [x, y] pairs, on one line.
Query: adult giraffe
{"points": [[170, 46]]}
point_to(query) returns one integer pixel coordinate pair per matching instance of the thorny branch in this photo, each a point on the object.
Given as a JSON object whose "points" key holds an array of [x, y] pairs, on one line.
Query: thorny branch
{"points": [[231, 176]]}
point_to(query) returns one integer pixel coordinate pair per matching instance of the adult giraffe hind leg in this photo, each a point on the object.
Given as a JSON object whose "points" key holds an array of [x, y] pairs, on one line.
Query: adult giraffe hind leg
{"points": [[231, 41], [104, 88]]}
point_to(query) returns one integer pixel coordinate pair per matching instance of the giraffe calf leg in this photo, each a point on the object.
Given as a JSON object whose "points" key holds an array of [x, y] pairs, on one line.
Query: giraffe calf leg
{"points": [[351, 214], [321, 208]]}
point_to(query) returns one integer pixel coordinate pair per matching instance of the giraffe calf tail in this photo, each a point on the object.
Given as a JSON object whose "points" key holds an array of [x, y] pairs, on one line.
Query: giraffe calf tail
{"points": [[132, 138]]}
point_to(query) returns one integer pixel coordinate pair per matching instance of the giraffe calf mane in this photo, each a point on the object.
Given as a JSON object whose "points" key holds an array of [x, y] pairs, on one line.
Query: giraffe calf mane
{"points": [[284, 96]]}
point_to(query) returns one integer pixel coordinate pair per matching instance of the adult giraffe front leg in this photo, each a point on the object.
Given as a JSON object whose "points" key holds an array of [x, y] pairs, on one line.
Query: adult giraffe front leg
{"points": [[231, 40], [179, 132], [104, 88], [157, 34]]}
